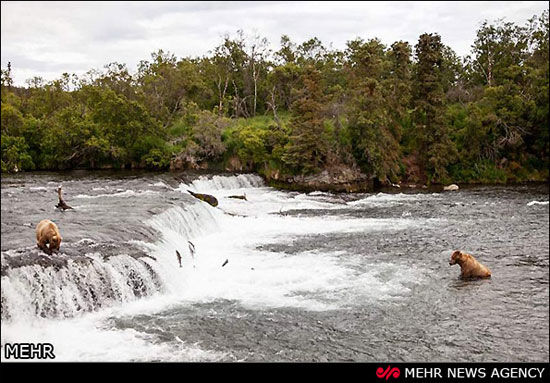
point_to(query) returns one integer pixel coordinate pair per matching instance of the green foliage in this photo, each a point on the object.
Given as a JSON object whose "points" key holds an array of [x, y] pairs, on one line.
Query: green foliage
{"points": [[434, 147], [12, 120], [15, 156], [157, 158], [307, 149], [258, 142], [300, 110], [374, 134], [484, 172]]}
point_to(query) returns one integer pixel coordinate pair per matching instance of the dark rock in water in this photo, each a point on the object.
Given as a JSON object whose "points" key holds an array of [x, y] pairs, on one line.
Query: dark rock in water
{"points": [[225, 263], [336, 179], [205, 197], [238, 197], [61, 204]]}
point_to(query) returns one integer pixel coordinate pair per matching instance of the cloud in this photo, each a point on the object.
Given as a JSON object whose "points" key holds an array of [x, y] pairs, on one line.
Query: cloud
{"points": [[49, 38]]}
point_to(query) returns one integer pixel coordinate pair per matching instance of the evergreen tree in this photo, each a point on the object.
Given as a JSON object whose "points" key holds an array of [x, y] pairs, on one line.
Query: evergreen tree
{"points": [[434, 148], [306, 152], [375, 141]]}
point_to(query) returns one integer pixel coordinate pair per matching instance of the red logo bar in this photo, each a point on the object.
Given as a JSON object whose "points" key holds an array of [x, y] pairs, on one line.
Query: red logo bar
{"points": [[388, 372]]}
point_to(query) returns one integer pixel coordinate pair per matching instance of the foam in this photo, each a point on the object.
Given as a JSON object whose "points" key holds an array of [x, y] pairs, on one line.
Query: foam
{"points": [[393, 198], [257, 279], [94, 338], [537, 203], [120, 193]]}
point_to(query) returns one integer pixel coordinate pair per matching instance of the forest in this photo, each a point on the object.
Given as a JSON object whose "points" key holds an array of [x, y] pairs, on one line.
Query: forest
{"points": [[398, 113]]}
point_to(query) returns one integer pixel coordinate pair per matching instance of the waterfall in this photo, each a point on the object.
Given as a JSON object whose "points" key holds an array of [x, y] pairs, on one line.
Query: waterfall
{"points": [[48, 291], [83, 277], [204, 183]]}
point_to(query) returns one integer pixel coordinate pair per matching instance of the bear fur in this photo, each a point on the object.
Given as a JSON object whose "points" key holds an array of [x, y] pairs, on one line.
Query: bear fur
{"points": [[470, 267], [47, 233]]}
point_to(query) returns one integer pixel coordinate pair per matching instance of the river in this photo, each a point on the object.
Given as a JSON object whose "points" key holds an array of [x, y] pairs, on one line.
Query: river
{"points": [[280, 276]]}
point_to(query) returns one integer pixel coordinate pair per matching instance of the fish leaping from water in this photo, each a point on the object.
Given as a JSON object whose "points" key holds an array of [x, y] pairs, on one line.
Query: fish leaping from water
{"points": [[192, 251], [179, 257]]}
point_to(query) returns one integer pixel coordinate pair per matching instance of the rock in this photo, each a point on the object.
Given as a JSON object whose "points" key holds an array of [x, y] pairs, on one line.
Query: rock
{"points": [[451, 187], [61, 204], [335, 179], [205, 197]]}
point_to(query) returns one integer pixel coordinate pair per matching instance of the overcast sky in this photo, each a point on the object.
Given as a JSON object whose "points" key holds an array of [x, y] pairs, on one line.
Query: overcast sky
{"points": [[49, 38]]}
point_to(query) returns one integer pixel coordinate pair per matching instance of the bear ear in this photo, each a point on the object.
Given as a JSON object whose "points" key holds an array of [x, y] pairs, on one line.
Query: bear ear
{"points": [[54, 238]]}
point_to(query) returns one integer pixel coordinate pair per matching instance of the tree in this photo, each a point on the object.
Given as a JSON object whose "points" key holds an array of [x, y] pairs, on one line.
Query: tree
{"points": [[375, 141], [307, 107], [165, 84], [497, 51], [434, 147], [306, 152], [14, 154], [399, 87], [6, 80]]}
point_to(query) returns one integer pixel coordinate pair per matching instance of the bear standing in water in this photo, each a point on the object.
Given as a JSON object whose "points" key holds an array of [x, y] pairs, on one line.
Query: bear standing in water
{"points": [[469, 266], [48, 233]]}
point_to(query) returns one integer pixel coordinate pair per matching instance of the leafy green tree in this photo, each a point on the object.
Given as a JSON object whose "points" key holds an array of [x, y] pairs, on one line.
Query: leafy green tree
{"points": [[12, 120], [206, 138], [15, 155]]}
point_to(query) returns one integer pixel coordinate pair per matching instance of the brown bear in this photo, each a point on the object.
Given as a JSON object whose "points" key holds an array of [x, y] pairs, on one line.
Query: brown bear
{"points": [[470, 267], [48, 233]]}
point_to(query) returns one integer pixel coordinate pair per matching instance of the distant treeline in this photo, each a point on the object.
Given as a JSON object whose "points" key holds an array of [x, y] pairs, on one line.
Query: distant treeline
{"points": [[400, 112]]}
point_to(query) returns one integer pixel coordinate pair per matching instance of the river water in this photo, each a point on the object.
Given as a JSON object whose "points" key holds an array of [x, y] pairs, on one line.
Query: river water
{"points": [[280, 276]]}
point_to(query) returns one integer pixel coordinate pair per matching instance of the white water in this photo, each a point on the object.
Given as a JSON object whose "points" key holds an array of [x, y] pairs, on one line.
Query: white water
{"points": [[125, 193], [537, 203], [71, 290], [383, 198], [258, 279]]}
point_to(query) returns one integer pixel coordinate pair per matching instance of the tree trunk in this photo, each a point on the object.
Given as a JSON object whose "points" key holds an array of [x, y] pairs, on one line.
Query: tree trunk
{"points": [[273, 107], [255, 87]]}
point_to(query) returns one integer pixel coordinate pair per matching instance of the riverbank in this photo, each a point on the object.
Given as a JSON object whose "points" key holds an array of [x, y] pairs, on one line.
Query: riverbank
{"points": [[344, 181]]}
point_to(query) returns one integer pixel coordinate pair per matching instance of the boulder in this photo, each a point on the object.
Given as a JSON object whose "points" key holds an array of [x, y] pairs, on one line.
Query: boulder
{"points": [[450, 187], [334, 179], [205, 197]]}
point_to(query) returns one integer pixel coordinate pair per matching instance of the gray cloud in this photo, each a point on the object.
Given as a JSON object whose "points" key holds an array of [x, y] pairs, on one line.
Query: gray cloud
{"points": [[48, 38]]}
